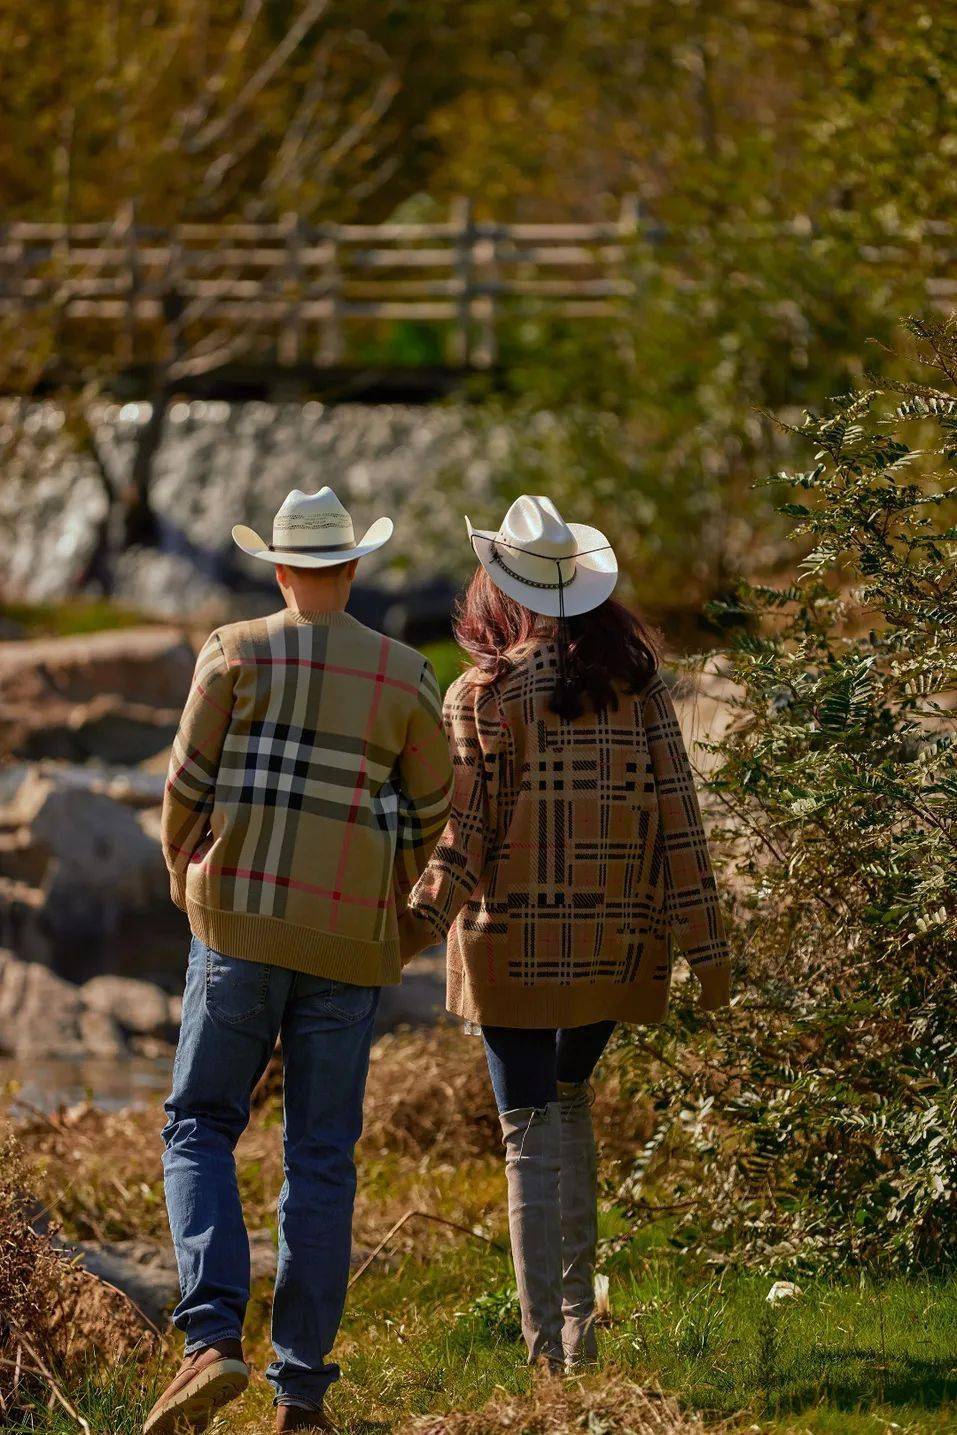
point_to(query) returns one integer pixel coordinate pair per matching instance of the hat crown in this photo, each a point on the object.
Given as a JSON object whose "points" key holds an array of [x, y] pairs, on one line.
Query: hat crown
{"points": [[312, 520], [534, 524]]}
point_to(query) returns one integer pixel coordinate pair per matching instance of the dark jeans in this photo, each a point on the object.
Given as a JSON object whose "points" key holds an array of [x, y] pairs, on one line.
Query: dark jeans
{"points": [[233, 1011], [526, 1064]]}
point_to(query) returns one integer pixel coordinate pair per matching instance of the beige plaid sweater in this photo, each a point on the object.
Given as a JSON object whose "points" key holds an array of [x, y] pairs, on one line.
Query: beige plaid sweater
{"points": [[573, 857], [309, 780]]}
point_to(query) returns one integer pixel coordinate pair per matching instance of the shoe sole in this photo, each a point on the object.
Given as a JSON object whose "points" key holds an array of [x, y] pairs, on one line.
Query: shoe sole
{"points": [[193, 1407]]}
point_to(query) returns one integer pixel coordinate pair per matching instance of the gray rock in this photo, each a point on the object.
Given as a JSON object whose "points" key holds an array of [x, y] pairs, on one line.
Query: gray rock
{"points": [[90, 862], [101, 1035], [146, 1270], [136, 1006], [143, 1270], [40, 1014], [419, 999]]}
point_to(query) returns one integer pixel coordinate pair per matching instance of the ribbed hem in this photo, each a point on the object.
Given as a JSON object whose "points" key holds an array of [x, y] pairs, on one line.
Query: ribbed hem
{"points": [[579, 1004], [300, 949], [177, 890]]}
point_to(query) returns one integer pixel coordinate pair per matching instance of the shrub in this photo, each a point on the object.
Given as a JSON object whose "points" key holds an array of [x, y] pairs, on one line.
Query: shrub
{"points": [[819, 1121]]}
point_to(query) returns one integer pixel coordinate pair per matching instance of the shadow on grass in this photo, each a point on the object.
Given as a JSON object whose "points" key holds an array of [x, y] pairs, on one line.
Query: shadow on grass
{"points": [[852, 1377]]}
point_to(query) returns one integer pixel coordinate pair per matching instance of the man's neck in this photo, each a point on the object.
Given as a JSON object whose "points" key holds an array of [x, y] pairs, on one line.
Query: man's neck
{"points": [[299, 604]]}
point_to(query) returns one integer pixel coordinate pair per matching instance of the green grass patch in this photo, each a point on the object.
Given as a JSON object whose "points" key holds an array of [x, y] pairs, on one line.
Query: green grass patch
{"points": [[448, 660], [62, 620]]}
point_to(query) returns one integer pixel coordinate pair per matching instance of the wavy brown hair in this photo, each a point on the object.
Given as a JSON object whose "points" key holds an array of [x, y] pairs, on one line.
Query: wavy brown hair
{"points": [[609, 650]]}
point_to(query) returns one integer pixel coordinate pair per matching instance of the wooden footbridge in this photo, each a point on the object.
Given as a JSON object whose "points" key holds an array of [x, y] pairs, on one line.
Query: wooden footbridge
{"points": [[306, 296]]}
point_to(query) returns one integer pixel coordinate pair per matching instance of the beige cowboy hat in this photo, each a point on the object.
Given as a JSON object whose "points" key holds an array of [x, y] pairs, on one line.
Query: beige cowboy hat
{"points": [[312, 530], [548, 565]]}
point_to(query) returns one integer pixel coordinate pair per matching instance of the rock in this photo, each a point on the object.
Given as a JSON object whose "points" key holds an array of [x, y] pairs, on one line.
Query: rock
{"points": [[419, 999], [40, 1014], [146, 1270], [114, 695], [143, 1270], [151, 665], [91, 861], [101, 1035], [107, 728], [135, 1005]]}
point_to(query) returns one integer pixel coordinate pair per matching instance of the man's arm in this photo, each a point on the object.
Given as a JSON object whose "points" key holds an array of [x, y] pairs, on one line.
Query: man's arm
{"points": [[194, 763], [459, 860], [425, 772], [692, 898]]}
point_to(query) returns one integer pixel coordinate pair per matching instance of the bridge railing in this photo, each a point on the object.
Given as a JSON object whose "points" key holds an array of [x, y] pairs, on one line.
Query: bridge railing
{"points": [[203, 293]]}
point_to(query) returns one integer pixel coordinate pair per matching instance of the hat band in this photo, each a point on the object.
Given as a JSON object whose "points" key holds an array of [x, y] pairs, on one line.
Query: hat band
{"points": [[496, 557], [314, 548]]}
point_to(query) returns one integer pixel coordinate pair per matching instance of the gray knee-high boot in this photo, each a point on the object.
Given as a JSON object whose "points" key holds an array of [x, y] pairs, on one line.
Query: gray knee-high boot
{"points": [[579, 1212], [532, 1139]]}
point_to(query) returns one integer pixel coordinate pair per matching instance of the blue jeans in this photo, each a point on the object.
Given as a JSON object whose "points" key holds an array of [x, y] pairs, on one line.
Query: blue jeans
{"points": [[526, 1064], [233, 1011]]}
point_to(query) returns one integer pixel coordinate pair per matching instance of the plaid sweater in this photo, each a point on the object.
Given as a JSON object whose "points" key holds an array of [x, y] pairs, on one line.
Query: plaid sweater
{"points": [[573, 855], [309, 780]]}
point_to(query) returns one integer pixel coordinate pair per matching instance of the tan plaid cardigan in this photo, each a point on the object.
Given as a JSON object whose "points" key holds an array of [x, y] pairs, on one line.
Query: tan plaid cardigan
{"points": [[309, 780], [573, 856]]}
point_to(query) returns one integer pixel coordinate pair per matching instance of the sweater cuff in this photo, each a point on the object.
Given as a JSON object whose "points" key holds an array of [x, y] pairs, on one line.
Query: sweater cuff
{"points": [[715, 982], [415, 934]]}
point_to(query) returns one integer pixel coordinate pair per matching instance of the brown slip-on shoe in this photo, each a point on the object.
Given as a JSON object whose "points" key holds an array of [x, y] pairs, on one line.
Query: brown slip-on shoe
{"points": [[293, 1417], [207, 1380]]}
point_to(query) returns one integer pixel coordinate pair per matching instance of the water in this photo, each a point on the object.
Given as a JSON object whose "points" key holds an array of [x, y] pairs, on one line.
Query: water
{"points": [[111, 1083], [108, 1083]]}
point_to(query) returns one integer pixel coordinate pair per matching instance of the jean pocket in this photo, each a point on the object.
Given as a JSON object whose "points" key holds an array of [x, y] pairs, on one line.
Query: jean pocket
{"points": [[236, 990], [349, 1003]]}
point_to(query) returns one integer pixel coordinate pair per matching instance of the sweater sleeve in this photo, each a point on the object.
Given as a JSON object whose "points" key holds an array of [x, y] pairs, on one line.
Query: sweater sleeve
{"points": [[425, 774], [194, 763], [693, 911], [459, 860]]}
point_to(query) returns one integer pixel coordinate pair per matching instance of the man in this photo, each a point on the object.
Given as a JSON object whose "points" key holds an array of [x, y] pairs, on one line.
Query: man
{"points": [[309, 781]]}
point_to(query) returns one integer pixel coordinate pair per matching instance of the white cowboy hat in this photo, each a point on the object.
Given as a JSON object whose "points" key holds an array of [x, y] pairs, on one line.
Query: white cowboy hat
{"points": [[548, 565], [312, 530]]}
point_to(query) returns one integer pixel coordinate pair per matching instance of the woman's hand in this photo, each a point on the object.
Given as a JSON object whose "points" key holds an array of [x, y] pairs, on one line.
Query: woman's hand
{"points": [[414, 935]]}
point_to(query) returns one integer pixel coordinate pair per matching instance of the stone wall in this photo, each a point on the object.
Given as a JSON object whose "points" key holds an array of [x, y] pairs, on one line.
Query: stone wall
{"points": [[220, 463]]}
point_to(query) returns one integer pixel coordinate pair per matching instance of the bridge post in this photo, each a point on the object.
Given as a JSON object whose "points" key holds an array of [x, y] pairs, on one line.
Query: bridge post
{"points": [[330, 349], [462, 264], [290, 334], [126, 229]]}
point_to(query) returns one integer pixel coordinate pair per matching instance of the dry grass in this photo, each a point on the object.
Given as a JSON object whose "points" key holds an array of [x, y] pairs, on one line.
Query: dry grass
{"points": [[54, 1318], [609, 1405]]}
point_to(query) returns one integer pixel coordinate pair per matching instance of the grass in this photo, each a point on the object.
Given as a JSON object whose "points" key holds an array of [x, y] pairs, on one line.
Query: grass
{"points": [[448, 660], [429, 1335], [79, 615]]}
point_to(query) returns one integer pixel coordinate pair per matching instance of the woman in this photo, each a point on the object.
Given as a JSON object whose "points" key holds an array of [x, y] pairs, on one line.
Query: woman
{"points": [[573, 856]]}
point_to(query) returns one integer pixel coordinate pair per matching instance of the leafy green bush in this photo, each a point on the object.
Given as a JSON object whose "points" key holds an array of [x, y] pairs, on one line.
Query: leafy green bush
{"points": [[818, 1122], [497, 1312]]}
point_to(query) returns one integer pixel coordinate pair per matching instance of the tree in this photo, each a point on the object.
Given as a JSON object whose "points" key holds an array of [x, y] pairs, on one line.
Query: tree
{"points": [[823, 1124]]}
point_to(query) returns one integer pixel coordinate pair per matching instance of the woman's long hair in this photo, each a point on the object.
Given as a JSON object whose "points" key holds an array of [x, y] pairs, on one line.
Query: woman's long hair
{"points": [[609, 649]]}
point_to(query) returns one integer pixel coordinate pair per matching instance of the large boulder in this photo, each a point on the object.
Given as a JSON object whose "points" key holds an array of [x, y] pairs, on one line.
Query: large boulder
{"points": [[113, 695], [83, 885], [40, 1013], [42, 1016], [136, 1006]]}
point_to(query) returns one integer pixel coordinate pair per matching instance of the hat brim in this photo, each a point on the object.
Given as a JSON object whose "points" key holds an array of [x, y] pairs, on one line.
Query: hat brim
{"points": [[250, 542], [596, 573]]}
